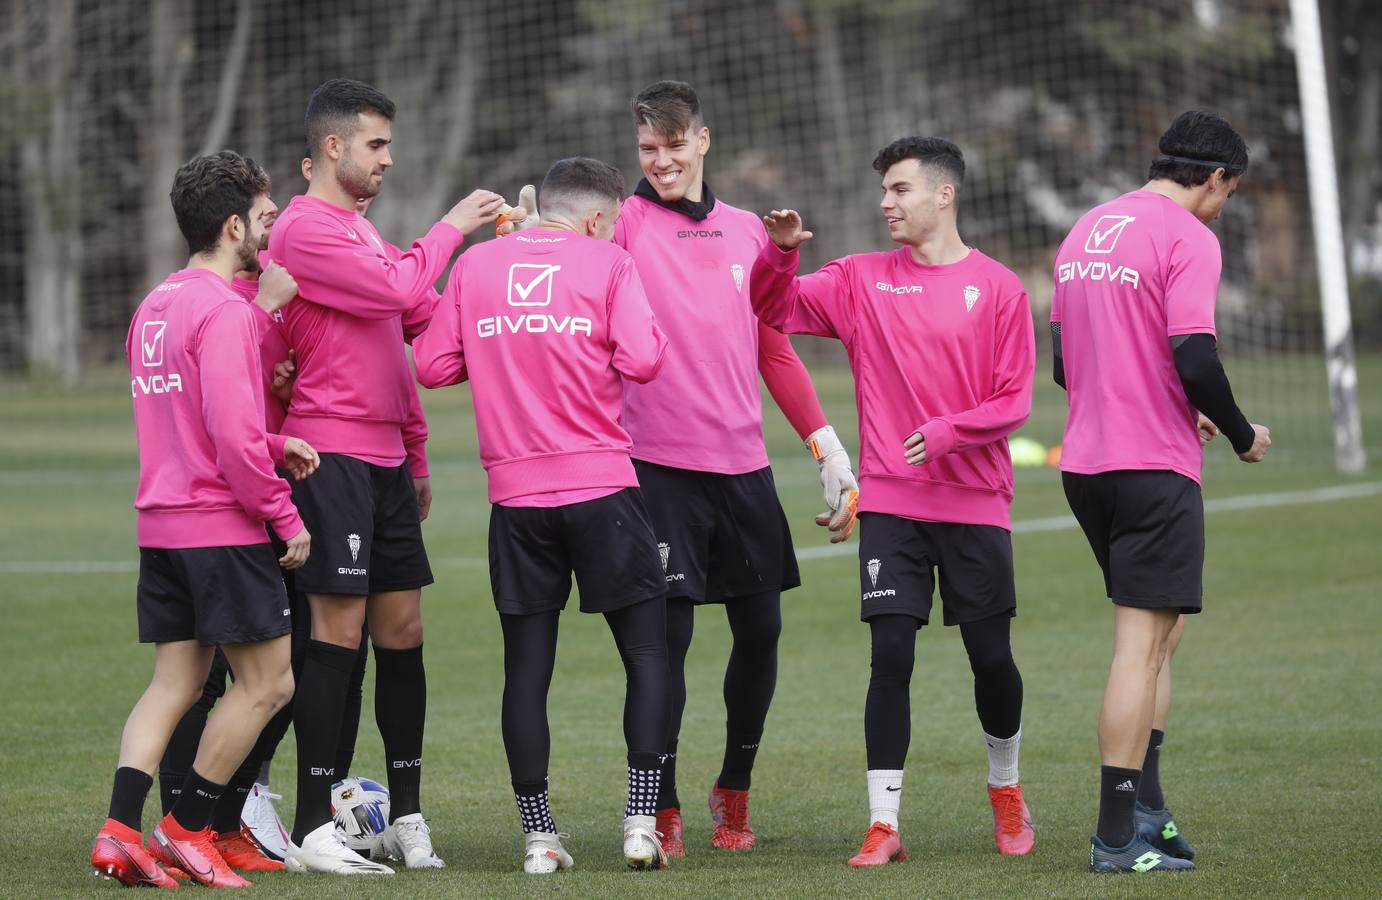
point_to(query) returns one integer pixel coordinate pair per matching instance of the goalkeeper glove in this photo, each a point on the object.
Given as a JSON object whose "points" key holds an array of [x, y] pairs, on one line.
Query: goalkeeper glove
{"points": [[840, 486], [527, 200]]}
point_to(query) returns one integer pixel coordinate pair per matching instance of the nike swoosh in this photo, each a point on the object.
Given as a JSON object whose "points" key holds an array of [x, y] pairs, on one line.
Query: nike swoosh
{"points": [[183, 863], [894, 789]]}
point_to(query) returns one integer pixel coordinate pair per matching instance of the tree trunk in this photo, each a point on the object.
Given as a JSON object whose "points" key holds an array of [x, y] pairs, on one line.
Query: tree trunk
{"points": [[163, 141]]}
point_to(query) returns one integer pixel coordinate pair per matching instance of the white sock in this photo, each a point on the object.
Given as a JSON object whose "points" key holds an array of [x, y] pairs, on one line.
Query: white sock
{"points": [[885, 795], [1003, 759]]}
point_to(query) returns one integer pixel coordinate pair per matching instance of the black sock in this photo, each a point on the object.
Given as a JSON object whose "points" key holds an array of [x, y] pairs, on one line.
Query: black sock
{"points": [[350, 718], [534, 811], [187, 736], [667, 785], [737, 770], [1117, 794], [317, 720], [127, 796], [225, 818], [645, 773], [197, 800], [400, 707], [1149, 791]]}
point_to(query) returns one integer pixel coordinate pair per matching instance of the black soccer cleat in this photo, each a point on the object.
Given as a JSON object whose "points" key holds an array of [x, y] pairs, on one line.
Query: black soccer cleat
{"points": [[1158, 828], [1137, 856]]}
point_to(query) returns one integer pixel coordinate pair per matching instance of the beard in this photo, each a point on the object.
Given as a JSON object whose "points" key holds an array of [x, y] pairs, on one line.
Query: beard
{"points": [[247, 254], [354, 180]]}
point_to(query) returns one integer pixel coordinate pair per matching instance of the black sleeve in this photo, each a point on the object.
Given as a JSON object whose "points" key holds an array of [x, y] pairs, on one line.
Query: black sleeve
{"points": [[1202, 376], [1058, 370]]}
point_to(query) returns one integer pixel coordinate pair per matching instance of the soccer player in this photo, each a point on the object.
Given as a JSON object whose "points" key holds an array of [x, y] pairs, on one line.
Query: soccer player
{"points": [[550, 326], [1136, 283], [208, 576], [359, 299], [940, 341], [698, 441]]}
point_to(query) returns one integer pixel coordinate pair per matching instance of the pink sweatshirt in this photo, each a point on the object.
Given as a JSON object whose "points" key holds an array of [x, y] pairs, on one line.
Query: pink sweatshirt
{"points": [[704, 412], [206, 471], [947, 350], [550, 327], [359, 299], [1133, 273], [273, 349]]}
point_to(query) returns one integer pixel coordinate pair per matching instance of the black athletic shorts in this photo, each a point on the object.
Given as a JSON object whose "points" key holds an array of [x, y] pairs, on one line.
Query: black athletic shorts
{"points": [[366, 532], [1146, 528], [898, 559], [213, 595], [719, 536], [607, 542]]}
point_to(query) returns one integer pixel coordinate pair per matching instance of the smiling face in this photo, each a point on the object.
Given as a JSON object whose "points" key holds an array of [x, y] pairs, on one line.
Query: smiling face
{"points": [[914, 199], [674, 164]]}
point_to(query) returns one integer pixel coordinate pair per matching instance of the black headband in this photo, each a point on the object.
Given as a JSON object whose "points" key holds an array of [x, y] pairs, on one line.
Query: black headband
{"points": [[1214, 164]]}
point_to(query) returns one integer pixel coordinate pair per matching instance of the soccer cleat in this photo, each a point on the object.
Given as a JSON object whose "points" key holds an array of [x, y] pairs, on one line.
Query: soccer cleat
{"points": [[642, 849], [669, 827], [241, 851], [544, 853], [1012, 822], [1157, 828], [323, 850], [119, 853], [409, 839], [882, 845], [729, 813], [260, 817], [1137, 856], [194, 852]]}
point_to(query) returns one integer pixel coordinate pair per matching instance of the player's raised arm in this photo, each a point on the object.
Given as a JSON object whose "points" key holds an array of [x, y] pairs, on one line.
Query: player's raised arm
{"points": [[819, 304]]}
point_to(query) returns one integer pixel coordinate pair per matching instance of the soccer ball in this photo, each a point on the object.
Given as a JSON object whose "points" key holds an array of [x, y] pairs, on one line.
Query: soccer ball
{"points": [[360, 808]]}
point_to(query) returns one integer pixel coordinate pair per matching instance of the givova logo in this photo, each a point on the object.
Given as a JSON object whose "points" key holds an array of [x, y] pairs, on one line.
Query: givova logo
{"points": [[1103, 237], [874, 566], [898, 288], [151, 346]]}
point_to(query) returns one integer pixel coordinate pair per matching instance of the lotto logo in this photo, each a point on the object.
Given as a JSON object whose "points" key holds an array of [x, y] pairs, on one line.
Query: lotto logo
{"points": [[1103, 237], [531, 285]]}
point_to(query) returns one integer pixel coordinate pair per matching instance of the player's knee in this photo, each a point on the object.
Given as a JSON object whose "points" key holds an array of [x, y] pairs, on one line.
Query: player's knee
{"points": [[893, 658], [400, 635]]}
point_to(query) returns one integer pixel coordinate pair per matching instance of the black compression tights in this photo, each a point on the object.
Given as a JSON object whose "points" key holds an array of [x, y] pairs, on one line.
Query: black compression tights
{"points": [[888, 709], [530, 652]]}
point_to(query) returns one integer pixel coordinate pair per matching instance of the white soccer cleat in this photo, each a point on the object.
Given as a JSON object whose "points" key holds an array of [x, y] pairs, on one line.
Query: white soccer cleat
{"points": [[642, 849], [409, 839], [324, 851], [260, 817], [545, 854]]}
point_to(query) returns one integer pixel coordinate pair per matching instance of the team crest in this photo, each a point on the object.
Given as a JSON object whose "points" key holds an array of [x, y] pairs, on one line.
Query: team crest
{"points": [[971, 296], [738, 272], [874, 566], [663, 551], [353, 541]]}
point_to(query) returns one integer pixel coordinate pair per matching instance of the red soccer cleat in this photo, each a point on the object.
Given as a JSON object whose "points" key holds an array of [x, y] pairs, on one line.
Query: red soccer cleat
{"points": [[882, 845], [669, 827], [119, 853], [1012, 822], [729, 812], [194, 852], [241, 851]]}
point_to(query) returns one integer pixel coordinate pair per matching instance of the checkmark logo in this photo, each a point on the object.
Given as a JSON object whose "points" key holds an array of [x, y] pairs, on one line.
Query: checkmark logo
{"points": [[151, 343], [1103, 237], [531, 284]]}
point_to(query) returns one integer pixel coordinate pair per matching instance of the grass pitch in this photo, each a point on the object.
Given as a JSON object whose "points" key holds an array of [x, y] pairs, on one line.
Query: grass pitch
{"points": [[1271, 761]]}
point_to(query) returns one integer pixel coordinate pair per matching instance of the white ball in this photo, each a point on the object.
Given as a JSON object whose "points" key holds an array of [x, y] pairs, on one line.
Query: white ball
{"points": [[360, 808]]}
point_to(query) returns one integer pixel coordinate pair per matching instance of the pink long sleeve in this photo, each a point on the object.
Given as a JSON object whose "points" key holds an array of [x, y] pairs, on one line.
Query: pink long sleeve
{"points": [[789, 382], [819, 304], [639, 345]]}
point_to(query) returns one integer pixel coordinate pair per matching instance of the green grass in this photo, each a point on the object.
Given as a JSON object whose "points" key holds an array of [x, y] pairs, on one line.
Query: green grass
{"points": [[1272, 761]]}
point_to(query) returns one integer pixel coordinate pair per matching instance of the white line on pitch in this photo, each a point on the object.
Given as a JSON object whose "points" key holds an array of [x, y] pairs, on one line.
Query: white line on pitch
{"points": [[1026, 526]]}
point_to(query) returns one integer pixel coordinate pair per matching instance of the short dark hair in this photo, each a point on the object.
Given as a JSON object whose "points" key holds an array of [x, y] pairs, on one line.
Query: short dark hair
{"points": [[669, 108], [208, 190], [1202, 142], [934, 153], [335, 105], [574, 184]]}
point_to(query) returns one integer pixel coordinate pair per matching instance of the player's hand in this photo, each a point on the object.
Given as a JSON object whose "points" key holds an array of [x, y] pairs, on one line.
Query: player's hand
{"points": [[480, 207], [299, 458], [276, 288], [520, 217], [1207, 429], [285, 371], [838, 484], [1261, 440], [299, 548], [784, 228], [915, 449], [423, 487]]}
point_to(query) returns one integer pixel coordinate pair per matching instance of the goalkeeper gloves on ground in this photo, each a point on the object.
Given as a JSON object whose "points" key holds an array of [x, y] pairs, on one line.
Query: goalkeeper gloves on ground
{"points": [[837, 479], [527, 200]]}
